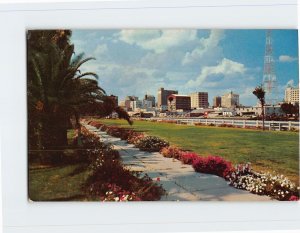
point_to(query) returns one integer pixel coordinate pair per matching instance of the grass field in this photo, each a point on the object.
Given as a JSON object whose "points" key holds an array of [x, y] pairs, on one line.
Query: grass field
{"points": [[267, 151], [58, 183]]}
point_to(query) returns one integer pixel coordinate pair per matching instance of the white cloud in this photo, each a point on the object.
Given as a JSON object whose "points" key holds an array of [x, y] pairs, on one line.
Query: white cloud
{"points": [[204, 46], [290, 83], [157, 40], [101, 49], [286, 58], [226, 68]]}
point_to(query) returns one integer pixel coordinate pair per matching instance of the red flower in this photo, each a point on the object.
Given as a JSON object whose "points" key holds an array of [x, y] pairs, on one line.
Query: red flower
{"points": [[158, 179], [294, 198]]}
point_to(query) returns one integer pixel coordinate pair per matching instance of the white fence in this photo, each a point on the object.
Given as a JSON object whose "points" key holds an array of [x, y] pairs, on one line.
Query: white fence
{"points": [[271, 125]]}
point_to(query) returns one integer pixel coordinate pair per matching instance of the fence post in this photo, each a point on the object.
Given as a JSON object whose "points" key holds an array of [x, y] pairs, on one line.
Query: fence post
{"points": [[279, 126], [206, 122], [290, 125], [244, 124]]}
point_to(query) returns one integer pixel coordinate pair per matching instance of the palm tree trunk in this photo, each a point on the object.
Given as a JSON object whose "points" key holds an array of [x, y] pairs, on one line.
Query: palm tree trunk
{"points": [[263, 117]]}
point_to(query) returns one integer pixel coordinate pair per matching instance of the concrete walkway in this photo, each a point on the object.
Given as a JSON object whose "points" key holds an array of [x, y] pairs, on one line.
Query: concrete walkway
{"points": [[180, 181]]}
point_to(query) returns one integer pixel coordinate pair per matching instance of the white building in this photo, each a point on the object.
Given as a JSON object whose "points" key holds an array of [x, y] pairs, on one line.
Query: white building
{"points": [[230, 100], [257, 110], [135, 105], [291, 95]]}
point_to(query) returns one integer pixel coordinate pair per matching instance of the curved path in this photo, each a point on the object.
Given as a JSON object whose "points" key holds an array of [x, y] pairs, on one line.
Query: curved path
{"points": [[180, 181]]}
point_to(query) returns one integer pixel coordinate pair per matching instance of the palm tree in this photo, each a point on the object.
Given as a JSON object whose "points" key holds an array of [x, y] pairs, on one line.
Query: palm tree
{"points": [[57, 89], [259, 92]]}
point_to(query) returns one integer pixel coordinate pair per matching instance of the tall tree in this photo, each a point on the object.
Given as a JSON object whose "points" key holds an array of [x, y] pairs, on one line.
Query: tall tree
{"points": [[259, 92], [56, 88]]}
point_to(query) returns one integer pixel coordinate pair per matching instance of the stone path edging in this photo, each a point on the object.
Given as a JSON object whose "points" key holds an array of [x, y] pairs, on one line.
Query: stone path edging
{"points": [[179, 180]]}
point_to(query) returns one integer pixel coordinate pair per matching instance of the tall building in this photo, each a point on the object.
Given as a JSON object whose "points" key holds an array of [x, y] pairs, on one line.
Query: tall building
{"points": [[162, 97], [150, 98], [230, 100], [135, 104], [291, 95], [199, 100], [179, 102], [128, 102], [217, 101]]}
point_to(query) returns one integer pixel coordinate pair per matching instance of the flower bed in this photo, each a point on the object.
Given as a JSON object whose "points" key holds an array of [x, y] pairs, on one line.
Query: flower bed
{"points": [[109, 180], [241, 176], [275, 186]]}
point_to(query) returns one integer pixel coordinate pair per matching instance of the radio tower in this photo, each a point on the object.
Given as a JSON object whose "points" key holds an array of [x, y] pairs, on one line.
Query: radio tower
{"points": [[269, 77]]}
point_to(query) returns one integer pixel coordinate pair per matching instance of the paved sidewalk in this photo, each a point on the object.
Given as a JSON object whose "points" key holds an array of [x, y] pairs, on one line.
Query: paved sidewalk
{"points": [[180, 181]]}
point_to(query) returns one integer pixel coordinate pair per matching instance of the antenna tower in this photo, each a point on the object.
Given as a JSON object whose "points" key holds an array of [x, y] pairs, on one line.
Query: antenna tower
{"points": [[269, 77]]}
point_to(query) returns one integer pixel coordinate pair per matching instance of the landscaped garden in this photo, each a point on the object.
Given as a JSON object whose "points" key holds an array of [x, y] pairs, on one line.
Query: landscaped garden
{"points": [[65, 161], [68, 161], [259, 178]]}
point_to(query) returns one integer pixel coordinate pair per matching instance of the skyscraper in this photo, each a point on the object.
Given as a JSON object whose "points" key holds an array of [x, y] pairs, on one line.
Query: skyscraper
{"points": [[199, 100], [162, 97]]}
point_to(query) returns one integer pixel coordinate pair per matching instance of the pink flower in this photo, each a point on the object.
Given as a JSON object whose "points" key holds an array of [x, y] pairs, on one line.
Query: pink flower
{"points": [[294, 198]]}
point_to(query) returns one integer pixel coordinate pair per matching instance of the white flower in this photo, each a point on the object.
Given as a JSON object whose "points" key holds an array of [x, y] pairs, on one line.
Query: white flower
{"points": [[116, 198]]}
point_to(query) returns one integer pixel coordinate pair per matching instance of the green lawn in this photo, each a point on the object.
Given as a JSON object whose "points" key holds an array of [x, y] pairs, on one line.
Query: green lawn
{"points": [[57, 183], [267, 151]]}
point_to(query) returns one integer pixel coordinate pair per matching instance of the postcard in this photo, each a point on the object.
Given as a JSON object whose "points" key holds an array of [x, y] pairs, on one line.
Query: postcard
{"points": [[121, 115]]}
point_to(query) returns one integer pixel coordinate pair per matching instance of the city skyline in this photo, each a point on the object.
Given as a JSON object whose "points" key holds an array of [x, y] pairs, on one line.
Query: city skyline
{"points": [[139, 62]]}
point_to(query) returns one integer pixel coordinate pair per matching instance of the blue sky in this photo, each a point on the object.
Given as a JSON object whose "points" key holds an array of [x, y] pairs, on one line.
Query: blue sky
{"points": [[136, 62]]}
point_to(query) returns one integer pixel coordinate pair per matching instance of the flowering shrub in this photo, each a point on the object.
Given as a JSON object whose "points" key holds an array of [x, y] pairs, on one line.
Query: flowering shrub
{"points": [[171, 152], [212, 165], [188, 157], [293, 198], [109, 180], [112, 182], [135, 137], [115, 193], [151, 143], [275, 186]]}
